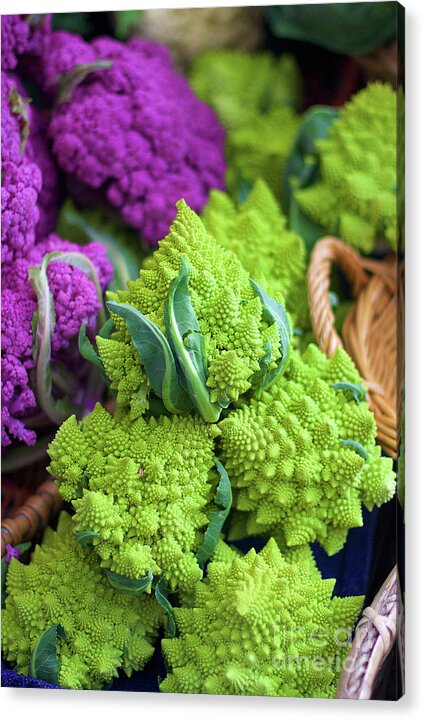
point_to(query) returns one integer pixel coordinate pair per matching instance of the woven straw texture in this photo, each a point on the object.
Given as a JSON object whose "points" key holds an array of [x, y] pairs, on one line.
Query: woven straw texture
{"points": [[371, 329], [376, 632], [31, 517]]}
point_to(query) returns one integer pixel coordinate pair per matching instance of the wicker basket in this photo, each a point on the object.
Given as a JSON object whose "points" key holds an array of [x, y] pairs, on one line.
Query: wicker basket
{"points": [[32, 517], [381, 625], [371, 330]]}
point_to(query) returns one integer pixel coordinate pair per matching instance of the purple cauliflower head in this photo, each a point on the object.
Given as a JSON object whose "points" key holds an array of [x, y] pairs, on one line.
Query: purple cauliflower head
{"points": [[15, 32], [75, 302], [133, 129], [21, 34], [19, 210], [30, 181]]}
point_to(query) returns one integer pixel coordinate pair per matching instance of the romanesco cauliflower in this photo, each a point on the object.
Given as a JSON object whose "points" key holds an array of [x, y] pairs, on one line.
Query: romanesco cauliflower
{"points": [[257, 233], [195, 303], [262, 624], [105, 629], [355, 196], [255, 97], [303, 458], [145, 488]]}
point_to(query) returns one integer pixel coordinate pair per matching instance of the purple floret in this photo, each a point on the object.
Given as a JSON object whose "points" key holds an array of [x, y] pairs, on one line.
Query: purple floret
{"points": [[134, 130], [18, 401], [15, 32], [22, 34], [30, 183], [75, 302], [20, 214]]}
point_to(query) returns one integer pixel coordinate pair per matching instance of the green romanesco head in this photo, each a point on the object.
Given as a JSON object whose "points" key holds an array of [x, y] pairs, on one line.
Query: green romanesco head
{"points": [[241, 86], [355, 196], [262, 624], [105, 629], [302, 459], [255, 97], [257, 233], [145, 488], [206, 321]]}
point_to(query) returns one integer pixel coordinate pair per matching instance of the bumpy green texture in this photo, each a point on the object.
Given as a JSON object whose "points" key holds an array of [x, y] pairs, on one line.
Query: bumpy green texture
{"points": [[355, 196], [262, 624], [145, 487], [229, 315], [255, 97], [256, 231], [293, 474], [105, 629]]}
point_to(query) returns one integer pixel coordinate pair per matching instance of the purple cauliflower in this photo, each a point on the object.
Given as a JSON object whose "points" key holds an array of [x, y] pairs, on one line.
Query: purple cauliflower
{"points": [[30, 183], [22, 34], [15, 32], [75, 302], [21, 185], [126, 124]]}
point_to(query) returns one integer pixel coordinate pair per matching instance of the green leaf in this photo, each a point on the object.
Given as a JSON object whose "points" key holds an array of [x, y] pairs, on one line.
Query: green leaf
{"points": [[85, 536], [82, 23], [88, 353], [358, 392], [346, 28], [299, 223], [243, 186], [258, 377], [303, 169], [223, 498], [156, 355], [273, 312], [125, 21], [67, 82], [128, 585], [106, 329], [44, 663], [19, 106], [56, 410], [121, 242], [188, 344], [161, 595], [357, 447]]}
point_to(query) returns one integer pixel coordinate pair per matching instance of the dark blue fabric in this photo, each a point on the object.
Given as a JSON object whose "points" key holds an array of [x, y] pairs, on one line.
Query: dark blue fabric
{"points": [[351, 566], [9, 678]]}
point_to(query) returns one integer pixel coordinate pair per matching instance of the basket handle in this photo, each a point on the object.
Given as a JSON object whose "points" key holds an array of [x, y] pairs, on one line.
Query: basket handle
{"points": [[34, 515], [327, 251]]}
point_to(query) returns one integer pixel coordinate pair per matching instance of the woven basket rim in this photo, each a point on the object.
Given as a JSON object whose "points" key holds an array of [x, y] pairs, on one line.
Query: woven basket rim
{"points": [[380, 626], [370, 328]]}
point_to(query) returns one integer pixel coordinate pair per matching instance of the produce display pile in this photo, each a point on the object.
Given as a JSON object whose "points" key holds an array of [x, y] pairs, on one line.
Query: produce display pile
{"points": [[159, 208]]}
